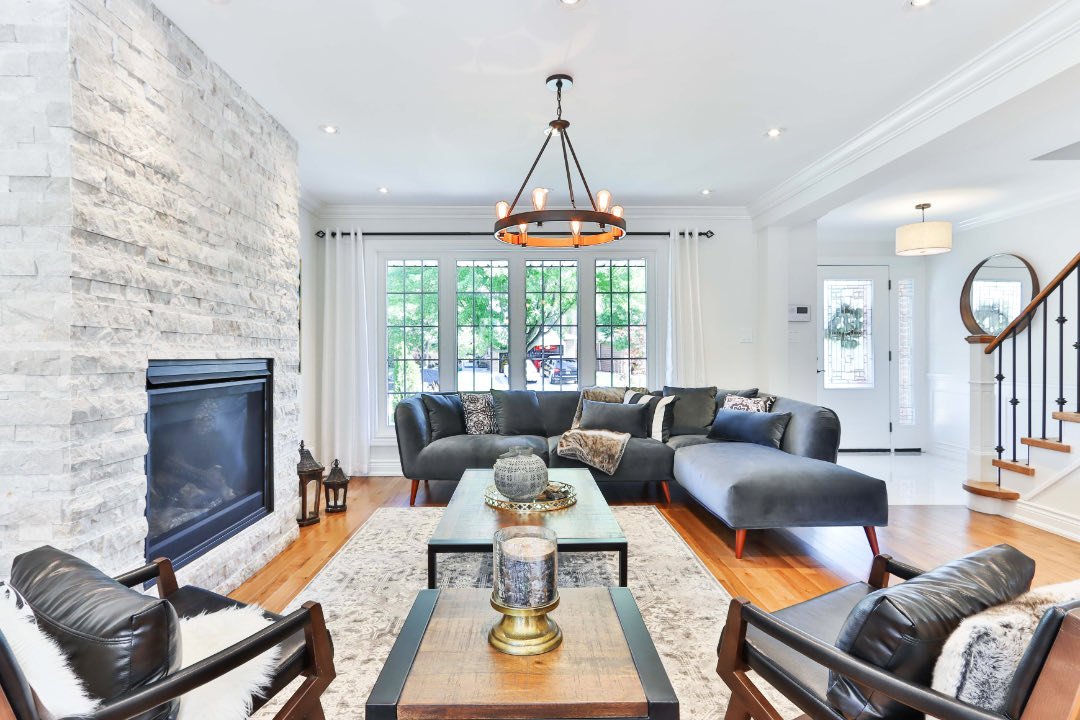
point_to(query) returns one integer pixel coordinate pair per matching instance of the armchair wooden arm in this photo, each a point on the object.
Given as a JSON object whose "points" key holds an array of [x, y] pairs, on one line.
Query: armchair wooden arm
{"points": [[748, 701], [303, 704], [161, 570], [884, 566]]}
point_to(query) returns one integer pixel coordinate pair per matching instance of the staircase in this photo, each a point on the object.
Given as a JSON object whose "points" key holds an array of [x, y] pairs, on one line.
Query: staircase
{"points": [[1034, 468]]}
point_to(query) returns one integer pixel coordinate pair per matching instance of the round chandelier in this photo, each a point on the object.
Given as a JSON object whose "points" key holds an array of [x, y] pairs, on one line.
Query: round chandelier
{"points": [[571, 227]]}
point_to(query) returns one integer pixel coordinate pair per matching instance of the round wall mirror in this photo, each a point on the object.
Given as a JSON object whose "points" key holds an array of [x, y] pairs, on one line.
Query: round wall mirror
{"points": [[996, 291]]}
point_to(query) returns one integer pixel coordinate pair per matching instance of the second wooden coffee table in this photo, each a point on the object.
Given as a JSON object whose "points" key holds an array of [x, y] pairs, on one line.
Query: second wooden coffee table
{"points": [[468, 524]]}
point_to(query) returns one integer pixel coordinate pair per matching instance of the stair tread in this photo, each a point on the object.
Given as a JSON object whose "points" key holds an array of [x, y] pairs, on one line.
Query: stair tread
{"points": [[1016, 467], [988, 489], [1067, 416], [1047, 444]]}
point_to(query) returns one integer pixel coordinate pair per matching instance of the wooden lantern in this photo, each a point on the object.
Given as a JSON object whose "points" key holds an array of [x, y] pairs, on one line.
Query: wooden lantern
{"points": [[310, 473], [337, 489]]}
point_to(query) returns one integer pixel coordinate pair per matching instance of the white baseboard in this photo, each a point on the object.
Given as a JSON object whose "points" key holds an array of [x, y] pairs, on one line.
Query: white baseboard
{"points": [[384, 467], [1048, 519], [948, 451]]}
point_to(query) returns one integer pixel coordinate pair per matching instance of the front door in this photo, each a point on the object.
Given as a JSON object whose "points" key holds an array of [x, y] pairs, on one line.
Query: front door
{"points": [[853, 352]]}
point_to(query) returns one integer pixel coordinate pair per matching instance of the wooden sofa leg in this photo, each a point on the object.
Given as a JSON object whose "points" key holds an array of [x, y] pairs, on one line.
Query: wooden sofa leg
{"points": [[666, 489], [740, 543], [412, 492], [871, 536]]}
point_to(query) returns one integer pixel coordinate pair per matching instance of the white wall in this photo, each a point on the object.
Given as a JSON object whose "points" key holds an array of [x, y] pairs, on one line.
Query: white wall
{"points": [[1047, 239], [310, 311]]}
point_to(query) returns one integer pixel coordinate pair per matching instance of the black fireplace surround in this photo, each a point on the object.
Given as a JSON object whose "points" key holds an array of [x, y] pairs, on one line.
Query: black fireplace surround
{"points": [[210, 467]]}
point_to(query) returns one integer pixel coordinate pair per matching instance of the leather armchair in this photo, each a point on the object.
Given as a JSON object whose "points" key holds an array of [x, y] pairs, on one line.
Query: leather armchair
{"points": [[302, 637], [794, 651]]}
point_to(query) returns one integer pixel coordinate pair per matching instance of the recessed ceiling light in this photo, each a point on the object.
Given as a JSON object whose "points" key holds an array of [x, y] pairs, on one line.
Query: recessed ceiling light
{"points": [[329, 129], [706, 191], [572, 2], [920, 3], [384, 190], [774, 132]]}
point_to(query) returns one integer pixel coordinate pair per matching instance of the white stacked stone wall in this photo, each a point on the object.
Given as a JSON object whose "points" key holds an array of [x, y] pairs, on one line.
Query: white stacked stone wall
{"points": [[183, 243], [35, 273]]}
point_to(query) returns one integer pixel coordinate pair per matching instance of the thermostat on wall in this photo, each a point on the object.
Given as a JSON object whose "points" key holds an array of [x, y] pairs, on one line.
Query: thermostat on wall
{"points": [[798, 313]]}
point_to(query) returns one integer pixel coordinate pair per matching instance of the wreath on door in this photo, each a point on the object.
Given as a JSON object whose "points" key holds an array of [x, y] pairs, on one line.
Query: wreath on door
{"points": [[846, 326]]}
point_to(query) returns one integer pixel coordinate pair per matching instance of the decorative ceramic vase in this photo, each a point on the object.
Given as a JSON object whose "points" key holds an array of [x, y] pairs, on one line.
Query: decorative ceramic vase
{"points": [[520, 475]]}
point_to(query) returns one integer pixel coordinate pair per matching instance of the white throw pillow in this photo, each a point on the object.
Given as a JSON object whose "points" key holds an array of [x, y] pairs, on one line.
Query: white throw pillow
{"points": [[229, 696], [979, 659], [60, 693]]}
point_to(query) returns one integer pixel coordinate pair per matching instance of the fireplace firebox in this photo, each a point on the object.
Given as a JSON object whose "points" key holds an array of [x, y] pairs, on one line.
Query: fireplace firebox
{"points": [[209, 469]]}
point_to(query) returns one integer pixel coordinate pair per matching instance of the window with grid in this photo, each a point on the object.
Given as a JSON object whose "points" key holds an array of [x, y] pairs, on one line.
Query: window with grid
{"points": [[621, 319], [906, 352], [551, 324], [412, 329], [849, 350], [483, 324]]}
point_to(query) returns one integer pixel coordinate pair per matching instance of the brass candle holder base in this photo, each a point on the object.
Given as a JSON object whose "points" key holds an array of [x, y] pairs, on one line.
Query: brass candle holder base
{"points": [[525, 631]]}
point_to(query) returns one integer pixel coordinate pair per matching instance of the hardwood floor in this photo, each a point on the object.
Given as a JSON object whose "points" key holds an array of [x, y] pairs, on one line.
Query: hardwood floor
{"points": [[780, 567]]}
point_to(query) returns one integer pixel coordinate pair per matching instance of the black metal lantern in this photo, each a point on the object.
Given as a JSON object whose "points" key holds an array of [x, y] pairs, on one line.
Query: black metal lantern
{"points": [[310, 473], [337, 489]]}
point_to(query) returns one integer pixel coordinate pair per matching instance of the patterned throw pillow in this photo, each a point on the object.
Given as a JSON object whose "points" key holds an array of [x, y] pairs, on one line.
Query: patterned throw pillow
{"points": [[479, 413], [661, 414], [763, 403]]}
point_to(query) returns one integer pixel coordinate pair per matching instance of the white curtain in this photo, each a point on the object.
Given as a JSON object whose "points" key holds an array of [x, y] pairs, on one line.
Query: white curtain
{"points": [[686, 338], [344, 390]]}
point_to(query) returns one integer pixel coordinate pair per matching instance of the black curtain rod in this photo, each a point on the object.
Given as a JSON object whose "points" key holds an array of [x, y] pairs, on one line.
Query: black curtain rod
{"points": [[346, 233]]}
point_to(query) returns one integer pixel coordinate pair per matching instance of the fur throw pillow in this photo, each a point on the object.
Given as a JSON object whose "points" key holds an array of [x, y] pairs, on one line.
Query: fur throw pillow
{"points": [[58, 692], [229, 696], [979, 659]]}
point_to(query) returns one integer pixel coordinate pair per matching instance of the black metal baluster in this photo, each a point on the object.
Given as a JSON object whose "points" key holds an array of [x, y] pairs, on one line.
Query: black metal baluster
{"points": [[1061, 357], [1014, 401], [1001, 398], [1045, 378], [1030, 399]]}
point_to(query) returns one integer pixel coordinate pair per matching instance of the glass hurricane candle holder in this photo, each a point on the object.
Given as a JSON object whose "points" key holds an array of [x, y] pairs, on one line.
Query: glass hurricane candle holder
{"points": [[525, 590]]}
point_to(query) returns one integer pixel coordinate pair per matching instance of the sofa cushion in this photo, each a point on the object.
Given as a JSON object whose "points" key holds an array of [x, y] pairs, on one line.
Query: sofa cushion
{"points": [[517, 412], [813, 431], [901, 629], [616, 417], [450, 457], [644, 460], [753, 486], [446, 416], [117, 639], [479, 412], [557, 409], [661, 412], [760, 428], [695, 410]]}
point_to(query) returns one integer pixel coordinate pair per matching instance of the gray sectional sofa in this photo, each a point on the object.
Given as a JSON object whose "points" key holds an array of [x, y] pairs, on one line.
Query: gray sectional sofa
{"points": [[745, 485]]}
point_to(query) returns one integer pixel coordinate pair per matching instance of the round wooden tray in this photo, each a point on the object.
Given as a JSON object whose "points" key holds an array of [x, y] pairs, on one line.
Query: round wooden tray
{"points": [[496, 499]]}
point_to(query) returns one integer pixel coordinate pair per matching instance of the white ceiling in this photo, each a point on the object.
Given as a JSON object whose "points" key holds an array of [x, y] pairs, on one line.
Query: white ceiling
{"points": [[986, 166], [444, 102]]}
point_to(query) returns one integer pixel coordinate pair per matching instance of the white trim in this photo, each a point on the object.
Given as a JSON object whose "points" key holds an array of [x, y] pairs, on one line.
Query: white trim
{"points": [[1058, 476], [486, 214], [949, 452], [1047, 519], [1036, 38], [1018, 210], [384, 467]]}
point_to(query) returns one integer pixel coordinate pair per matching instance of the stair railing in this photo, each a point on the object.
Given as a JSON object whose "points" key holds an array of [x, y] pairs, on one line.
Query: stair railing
{"points": [[1022, 325]]}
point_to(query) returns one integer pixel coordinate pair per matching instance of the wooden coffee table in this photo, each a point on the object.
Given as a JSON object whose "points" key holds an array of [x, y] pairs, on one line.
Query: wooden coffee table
{"points": [[468, 524], [441, 665]]}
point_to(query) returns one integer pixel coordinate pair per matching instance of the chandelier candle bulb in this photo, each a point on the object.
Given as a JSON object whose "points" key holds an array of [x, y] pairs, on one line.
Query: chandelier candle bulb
{"points": [[502, 209], [539, 198], [603, 200], [617, 211]]}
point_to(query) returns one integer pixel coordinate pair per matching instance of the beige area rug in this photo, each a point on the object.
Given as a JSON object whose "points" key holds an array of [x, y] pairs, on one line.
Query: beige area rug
{"points": [[369, 586]]}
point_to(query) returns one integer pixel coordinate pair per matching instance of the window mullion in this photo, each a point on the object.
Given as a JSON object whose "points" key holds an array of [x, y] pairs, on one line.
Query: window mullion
{"points": [[587, 321], [447, 324], [517, 322]]}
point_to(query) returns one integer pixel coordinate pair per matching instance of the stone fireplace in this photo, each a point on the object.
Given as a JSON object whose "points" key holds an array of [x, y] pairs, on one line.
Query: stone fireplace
{"points": [[152, 211], [209, 467]]}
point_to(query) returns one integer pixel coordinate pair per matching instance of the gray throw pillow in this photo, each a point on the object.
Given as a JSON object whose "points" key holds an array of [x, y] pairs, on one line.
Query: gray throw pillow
{"points": [[445, 414], [760, 428], [696, 408], [616, 417], [517, 412]]}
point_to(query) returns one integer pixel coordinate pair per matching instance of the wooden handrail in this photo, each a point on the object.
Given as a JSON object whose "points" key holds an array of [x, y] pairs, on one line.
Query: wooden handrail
{"points": [[1033, 306]]}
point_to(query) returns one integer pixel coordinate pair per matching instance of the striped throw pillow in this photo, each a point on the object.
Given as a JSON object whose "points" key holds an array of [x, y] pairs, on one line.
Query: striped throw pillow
{"points": [[661, 414]]}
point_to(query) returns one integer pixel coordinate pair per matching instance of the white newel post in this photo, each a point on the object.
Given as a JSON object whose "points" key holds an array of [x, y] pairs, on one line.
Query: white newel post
{"points": [[982, 422]]}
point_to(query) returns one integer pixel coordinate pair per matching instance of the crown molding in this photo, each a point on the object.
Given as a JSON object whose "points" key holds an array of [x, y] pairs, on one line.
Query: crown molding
{"points": [[485, 213], [309, 204], [1017, 210], [1037, 37]]}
